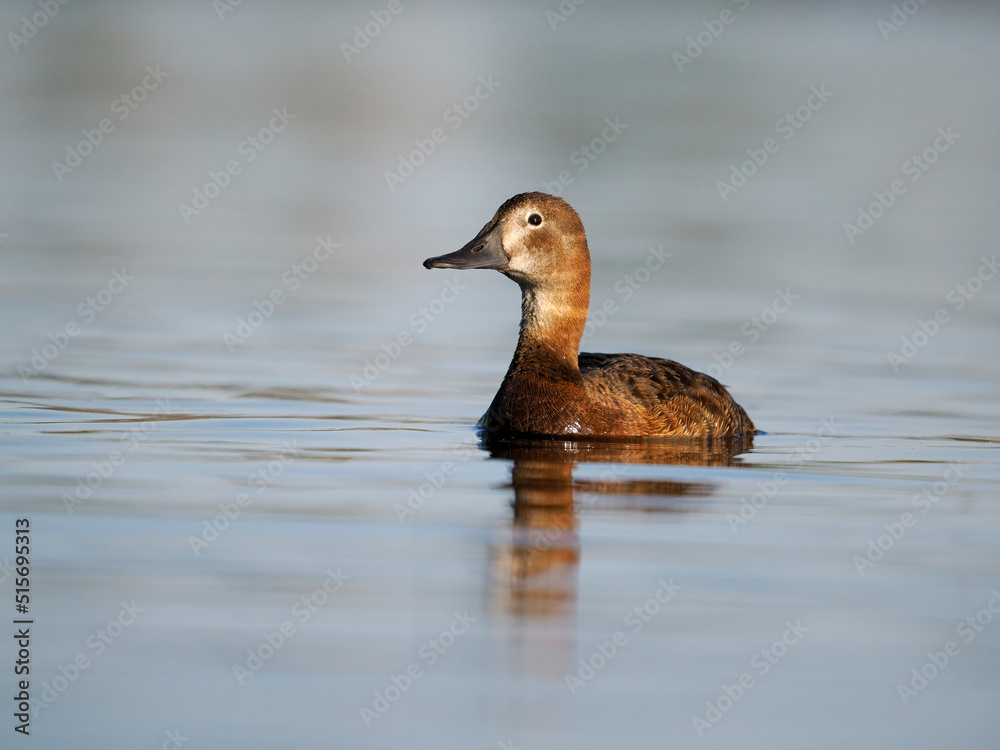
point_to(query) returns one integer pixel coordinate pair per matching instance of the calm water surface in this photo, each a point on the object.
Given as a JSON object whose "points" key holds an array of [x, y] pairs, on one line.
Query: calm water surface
{"points": [[269, 525]]}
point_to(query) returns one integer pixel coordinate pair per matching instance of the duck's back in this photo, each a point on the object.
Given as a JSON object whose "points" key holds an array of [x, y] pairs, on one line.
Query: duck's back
{"points": [[674, 399]]}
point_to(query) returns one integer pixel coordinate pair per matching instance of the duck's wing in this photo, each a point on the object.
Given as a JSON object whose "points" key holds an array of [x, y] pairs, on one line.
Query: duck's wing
{"points": [[680, 400]]}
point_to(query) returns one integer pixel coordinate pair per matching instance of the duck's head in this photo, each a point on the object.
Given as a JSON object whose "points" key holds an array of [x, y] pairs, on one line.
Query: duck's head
{"points": [[534, 238]]}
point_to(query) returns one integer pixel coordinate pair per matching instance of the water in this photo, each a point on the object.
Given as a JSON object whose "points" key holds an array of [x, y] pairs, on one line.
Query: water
{"points": [[368, 544]]}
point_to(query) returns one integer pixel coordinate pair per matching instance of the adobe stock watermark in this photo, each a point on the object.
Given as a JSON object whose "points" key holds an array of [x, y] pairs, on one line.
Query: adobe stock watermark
{"points": [[258, 481], [937, 661], [768, 489], [901, 13], [123, 106], [635, 620], [958, 297], [428, 655], [419, 320], [760, 664], [562, 12], [301, 612], [31, 25], [610, 475], [291, 280], [923, 501], [915, 167], [249, 149], [224, 7], [752, 330], [136, 435], [174, 740], [454, 117], [701, 41], [625, 287], [586, 154], [786, 126], [87, 311], [436, 479], [6, 569], [96, 644], [541, 539], [364, 34]]}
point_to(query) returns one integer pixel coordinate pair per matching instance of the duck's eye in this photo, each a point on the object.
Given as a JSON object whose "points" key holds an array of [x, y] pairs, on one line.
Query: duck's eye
{"points": [[535, 220]]}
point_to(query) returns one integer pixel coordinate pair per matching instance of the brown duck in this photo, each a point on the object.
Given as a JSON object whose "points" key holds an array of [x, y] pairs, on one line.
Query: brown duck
{"points": [[553, 389]]}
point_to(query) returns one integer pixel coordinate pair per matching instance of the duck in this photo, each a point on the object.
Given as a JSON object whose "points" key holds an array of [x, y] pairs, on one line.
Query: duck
{"points": [[551, 389]]}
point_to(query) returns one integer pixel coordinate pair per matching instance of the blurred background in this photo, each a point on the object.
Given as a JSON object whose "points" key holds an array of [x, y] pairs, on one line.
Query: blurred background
{"points": [[212, 219]]}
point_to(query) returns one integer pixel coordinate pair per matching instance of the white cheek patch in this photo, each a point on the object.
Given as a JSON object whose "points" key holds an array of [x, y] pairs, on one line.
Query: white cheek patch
{"points": [[514, 236]]}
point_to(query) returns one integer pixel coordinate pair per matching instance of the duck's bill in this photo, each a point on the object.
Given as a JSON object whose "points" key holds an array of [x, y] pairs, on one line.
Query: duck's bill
{"points": [[485, 251]]}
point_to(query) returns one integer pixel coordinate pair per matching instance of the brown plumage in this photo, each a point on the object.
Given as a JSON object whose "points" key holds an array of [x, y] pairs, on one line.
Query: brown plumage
{"points": [[538, 241]]}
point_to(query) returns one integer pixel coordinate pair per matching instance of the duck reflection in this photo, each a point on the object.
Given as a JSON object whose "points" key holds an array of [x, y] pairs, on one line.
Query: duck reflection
{"points": [[535, 568]]}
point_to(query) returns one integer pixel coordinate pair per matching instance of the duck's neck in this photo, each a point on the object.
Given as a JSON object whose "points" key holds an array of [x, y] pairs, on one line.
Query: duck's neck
{"points": [[553, 316]]}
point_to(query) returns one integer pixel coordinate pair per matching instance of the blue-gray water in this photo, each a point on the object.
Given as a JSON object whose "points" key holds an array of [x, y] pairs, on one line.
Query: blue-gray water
{"points": [[271, 359]]}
